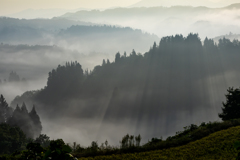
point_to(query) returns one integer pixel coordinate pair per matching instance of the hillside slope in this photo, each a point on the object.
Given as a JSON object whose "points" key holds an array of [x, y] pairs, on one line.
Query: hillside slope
{"points": [[163, 21], [218, 145]]}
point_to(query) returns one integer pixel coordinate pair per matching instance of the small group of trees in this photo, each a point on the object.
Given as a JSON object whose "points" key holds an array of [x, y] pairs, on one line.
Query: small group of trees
{"points": [[28, 122], [11, 138], [13, 77], [130, 141], [5, 110]]}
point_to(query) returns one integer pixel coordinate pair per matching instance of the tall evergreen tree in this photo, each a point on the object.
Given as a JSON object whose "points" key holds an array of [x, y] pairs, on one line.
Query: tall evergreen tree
{"points": [[37, 126], [13, 121], [104, 62], [28, 122], [117, 57], [5, 110], [231, 108], [3, 106], [25, 122]]}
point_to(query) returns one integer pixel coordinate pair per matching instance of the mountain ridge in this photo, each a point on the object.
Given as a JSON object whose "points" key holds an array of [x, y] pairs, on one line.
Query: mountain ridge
{"points": [[207, 3]]}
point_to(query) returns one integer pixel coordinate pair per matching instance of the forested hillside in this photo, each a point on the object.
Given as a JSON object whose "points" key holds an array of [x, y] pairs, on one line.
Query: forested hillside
{"points": [[179, 81], [170, 20], [75, 35]]}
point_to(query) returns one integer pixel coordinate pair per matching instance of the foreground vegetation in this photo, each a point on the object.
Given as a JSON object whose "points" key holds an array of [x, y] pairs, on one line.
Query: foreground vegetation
{"points": [[218, 145], [213, 140], [190, 134]]}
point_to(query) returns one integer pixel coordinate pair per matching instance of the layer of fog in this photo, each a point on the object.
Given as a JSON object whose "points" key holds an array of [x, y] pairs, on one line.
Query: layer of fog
{"points": [[229, 36], [79, 41], [35, 62], [168, 21], [81, 36], [195, 3], [42, 13], [191, 90]]}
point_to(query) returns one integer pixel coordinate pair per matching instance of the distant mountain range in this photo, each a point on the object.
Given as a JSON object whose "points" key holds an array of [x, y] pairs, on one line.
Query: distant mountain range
{"points": [[194, 3], [165, 21], [82, 36], [42, 13]]}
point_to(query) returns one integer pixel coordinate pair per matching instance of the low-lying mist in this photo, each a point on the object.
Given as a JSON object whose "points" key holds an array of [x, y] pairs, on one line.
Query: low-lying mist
{"points": [[177, 83], [74, 35], [164, 21], [35, 62]]}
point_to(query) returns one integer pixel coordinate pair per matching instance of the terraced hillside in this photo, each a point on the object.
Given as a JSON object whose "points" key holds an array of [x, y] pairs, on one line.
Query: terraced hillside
{"points": [[218, 145]]}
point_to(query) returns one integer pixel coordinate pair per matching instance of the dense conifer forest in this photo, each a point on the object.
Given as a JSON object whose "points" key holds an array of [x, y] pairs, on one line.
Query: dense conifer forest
{"points": [[141, 84], [28, 122], [180, 74]]}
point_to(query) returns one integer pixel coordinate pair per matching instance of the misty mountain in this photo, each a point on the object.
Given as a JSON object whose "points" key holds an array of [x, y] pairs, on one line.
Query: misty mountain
{"points": [[194, 3], [42, 13], [164, 21], [54, 24], [104, 39], [178, 82], [230, 36], [27, 62], [74, 35]]}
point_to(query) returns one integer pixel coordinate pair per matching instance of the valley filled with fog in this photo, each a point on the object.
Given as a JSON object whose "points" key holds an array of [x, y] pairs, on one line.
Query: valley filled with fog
{"points": [[100, 74], [165, 21]]}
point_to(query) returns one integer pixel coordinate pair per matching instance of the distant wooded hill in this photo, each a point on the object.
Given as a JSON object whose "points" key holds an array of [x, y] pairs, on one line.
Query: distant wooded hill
{"points": [[230, 36], [178, 81], [164, 21], [195, 3], [81, 36]]}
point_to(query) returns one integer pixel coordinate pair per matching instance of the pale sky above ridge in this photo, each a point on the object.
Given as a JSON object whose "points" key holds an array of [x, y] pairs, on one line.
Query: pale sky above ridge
{"points": [[8, 7], [13, 6]]}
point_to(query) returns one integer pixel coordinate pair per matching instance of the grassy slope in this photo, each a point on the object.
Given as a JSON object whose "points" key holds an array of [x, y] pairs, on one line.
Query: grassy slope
{"points": [[218, 145]]}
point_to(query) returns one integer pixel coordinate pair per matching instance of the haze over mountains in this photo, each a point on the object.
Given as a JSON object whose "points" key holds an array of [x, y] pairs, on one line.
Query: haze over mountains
{"points": [[76, 35], [25, 43], [42, 13], [124, 82], [164, 21], [194, 3], [176, 83]]}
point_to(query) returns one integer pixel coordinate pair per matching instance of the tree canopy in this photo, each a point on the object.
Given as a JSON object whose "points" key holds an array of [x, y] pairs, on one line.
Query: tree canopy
{"points": [[11, 138], [231, 108]]}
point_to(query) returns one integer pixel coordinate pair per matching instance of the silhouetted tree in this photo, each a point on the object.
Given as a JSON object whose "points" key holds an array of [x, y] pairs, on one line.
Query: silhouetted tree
{"points": [[37, 126], [104, 62], [125, 141], [231, 108], [133, 53], [117, 57], [28, 122], [209, 46], [5, 110], [125, 54], [108, 62], [138, 140], [65, 79]]}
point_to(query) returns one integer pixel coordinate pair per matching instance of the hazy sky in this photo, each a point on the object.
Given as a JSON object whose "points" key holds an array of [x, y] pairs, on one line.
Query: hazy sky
{"points": [[13, 6]]}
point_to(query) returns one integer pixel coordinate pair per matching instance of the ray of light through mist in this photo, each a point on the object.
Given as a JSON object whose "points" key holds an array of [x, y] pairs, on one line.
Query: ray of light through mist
{"points": [[132, 81]]}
